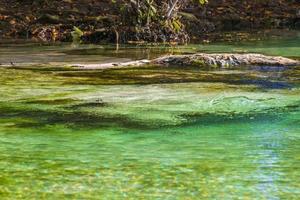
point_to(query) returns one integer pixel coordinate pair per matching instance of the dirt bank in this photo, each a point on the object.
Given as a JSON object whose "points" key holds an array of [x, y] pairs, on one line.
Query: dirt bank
{"points": [[100, 20]]}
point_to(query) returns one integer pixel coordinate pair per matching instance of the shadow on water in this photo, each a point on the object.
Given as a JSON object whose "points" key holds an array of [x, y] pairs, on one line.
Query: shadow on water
{"points": [[267, 115], [68, 118], [75, 116], [264, 84], [263, 77]]}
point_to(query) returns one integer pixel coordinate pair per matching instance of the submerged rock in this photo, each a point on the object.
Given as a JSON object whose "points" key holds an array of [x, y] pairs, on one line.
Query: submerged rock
{"points": [[225, 60]]}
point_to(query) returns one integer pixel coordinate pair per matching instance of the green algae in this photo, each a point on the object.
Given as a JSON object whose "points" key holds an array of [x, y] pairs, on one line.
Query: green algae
{"points": [[125, 94]]}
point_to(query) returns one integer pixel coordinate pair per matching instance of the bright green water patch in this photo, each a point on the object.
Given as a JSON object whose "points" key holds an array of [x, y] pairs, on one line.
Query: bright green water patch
{"points": [[148, 133]]}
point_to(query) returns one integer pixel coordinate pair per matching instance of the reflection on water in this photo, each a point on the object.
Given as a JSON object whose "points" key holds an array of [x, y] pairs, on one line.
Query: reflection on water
{"points": [[149, 133]]}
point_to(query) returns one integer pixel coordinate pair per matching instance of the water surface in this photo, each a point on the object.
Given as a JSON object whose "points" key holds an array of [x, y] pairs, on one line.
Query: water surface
{"points": [[147, 132]]}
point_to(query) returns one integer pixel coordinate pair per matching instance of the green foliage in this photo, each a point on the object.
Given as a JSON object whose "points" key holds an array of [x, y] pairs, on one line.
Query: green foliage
{"points": [[203, 1], [151, 11], [154, 17], [76, 34], [175, 25]]}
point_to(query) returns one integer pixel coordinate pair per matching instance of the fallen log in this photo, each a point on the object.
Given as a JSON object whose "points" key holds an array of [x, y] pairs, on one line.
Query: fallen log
{"points": [[112, 65], [199, 60], [202, 60]]}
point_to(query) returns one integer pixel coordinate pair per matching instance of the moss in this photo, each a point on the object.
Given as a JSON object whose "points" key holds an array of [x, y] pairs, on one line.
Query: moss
{"points": [[199, 63]]}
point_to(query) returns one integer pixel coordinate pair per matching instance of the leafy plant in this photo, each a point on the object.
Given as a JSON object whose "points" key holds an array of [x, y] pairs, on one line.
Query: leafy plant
{"points": [[76, 34]]}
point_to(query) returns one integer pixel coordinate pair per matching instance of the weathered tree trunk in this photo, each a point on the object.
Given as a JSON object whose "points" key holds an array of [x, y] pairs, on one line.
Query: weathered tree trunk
{"points": [[203, 60], [200, 60], [111, 65]]}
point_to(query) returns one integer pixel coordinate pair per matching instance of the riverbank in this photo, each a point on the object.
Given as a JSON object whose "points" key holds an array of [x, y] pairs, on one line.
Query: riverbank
{"points": [[100, 20]]}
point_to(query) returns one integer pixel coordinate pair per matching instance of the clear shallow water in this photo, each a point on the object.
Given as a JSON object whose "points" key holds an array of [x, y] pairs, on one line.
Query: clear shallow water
{"points": [[152, 133]]}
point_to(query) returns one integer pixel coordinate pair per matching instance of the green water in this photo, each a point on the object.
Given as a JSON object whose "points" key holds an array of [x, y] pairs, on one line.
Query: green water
{"points": [[147, 132]]}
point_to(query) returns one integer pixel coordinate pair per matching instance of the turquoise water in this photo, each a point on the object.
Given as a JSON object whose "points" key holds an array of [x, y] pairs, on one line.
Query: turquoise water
{"points": [[148, 132]]}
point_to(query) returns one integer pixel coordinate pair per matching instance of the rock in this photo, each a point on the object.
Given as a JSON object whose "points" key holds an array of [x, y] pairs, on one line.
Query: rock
{"points": [[225, 60]]}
